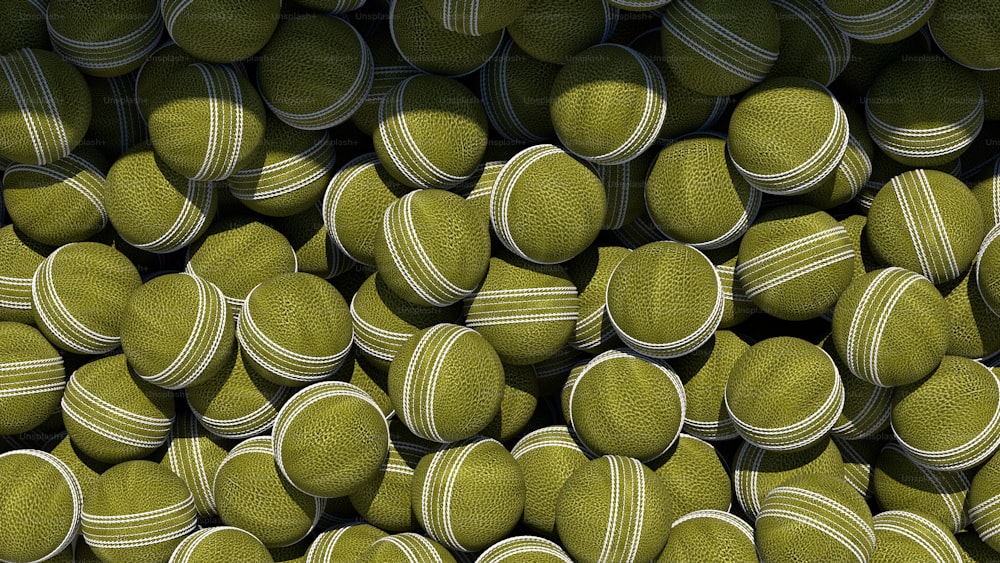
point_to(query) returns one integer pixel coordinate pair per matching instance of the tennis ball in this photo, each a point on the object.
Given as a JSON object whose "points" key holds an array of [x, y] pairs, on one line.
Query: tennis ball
{"points": [[526, 312], [295, 329], [899, 483], [116, 123], [515, 91], [208, 122], [524, 548], [429, 45], [795, 261], [59, 202], [406, 548], [315, 253], [416, 256], [704, 373], [812, 46], [530, 185], [79, 293], [695, 195], [872, 327], [547, 457], [866, 405], [40, 508], [24, 25], [383, 321], [102, 46], [237, 254], [623, 404], [194, 454], [169, 213], [473, 476], [815, 514], [737, 305], [960, 400], [156, 72], [694, 476], [718, 49], [343, 542], [329, 439], [554, 31], [475, 17], [613, 508], [944, 222], [236, 402], [787, 135], [784, 371], [709, 535], [986, 267], [446, 383], [590, 273], [137, 511], [33, 378], [221, 31], [756, 471], [44, 104], [982, 501], [624, 185], [664, 299], [289, 173], [20, 256], [608, 103], [924, 111], [431, 133], [908, 536], [251, 494], [384, 499], [859, 461], [390, 69], [315, 72], [853, 172], [220, 542], [882, 21], [962, 31]]}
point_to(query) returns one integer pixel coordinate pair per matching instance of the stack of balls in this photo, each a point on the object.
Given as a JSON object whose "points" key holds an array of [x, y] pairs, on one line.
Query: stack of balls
{"points": [[517, 281]]}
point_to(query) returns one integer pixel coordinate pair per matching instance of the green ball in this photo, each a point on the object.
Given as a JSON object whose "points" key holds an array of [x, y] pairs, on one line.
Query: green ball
{"points": [[962, 30], [85, 468], [416, 255], [527, 312], [866, 405], [756, 471], [315, 72], [431, 133], [446, 383], [194, 455], [695, 195], [608, 103], [155, 73], [547, 206], [475, 17], [315, 253], [390, 69], [908, 536], [987, 270], [547, 457], [623, 404], [428, 44], [709, 535], [982, 501], [853, 172], [524, 549], [518, 406], [295, 329], [814, 514], [928, 222], [624, 185], [695, 477], [384, 499], [251, 494], [137, 511], [986, 188], [590, 272], [60, 202], [112, 415], [117, 123], [859, 462], [704, 373], [873, 322], [790, 372], [44, 107], [40, 506], [102, 46], [80, 292], [665, 299], [881, 21], [343, 543], [899, 483], [33, 378], [924, 112], [515, 87], [24, 24], [795, 261], [331, 6], [20, 256], [613, 508], [737, 305], [209, 122], [406, 548], [718, 49], [787, 135], [361, 373], [555, 30], [220, 542], [468, 494], [221, 31], [974, 328], [812, 46], [239, 253]]}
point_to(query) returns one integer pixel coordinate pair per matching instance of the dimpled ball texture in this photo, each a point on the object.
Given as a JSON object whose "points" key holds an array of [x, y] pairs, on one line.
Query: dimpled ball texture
{"points": [[101, 46], [33, 380], [431, 47], [580, 24], [547, 457], [221, 542], [881, 21], [709, 534], [238, 28], [960, 32]]}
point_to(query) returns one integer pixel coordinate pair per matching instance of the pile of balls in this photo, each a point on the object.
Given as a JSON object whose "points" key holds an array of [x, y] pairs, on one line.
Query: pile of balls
{"points": [[499, 281]]}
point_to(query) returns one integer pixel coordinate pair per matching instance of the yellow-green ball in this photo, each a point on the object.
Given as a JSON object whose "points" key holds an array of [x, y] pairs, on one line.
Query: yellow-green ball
{"points": [[99, 45], [221, 31]]}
